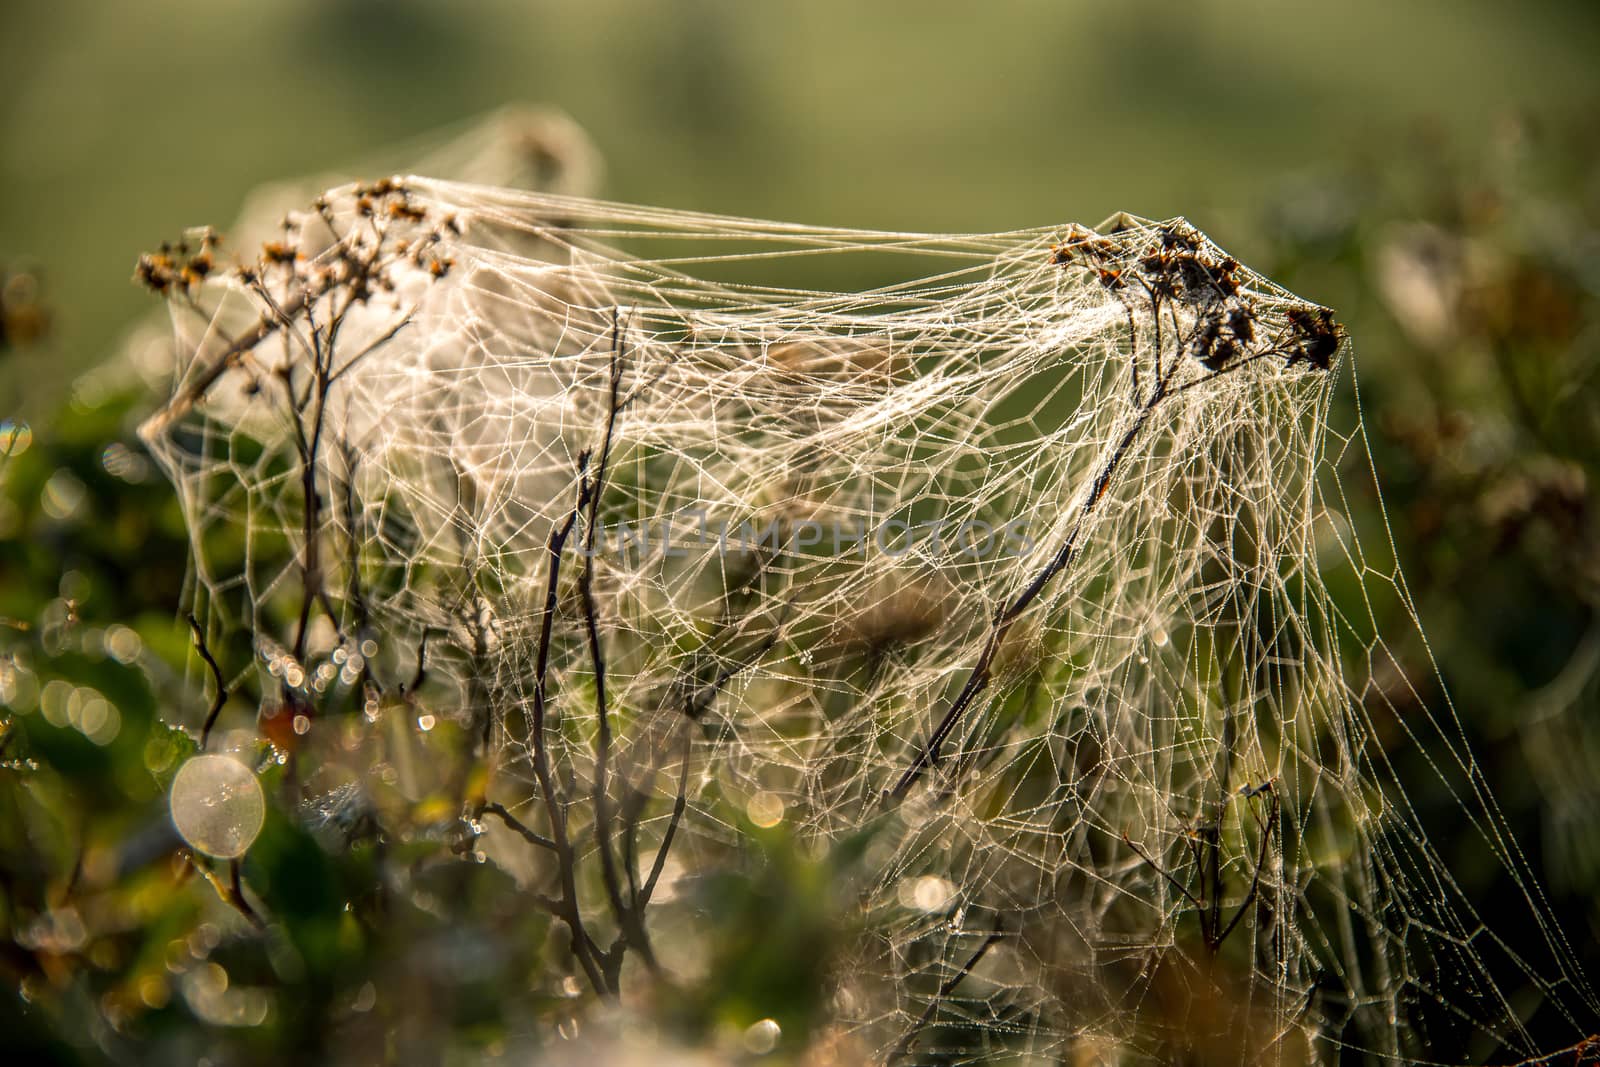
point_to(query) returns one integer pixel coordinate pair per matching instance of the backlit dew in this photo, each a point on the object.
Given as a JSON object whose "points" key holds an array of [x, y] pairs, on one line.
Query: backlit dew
{"points": [[765, 809], [15, 437], [761, 1037], [211, 996], [366, 998], [928, 894], [217, 805], [96, 718], [154, 991], [1021, 761], [53, 701], [122, 644], [120, 461], [19, 687], [63, 495]]}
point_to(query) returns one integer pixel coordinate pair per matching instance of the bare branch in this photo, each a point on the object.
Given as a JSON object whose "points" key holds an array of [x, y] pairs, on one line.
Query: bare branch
{"points": [[518, 826], [1162, 871], [221, 696], [1261, 861], [909, 1038]]}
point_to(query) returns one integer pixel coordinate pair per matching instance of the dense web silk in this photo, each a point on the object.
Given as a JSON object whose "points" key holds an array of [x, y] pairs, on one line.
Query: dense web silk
{"points": [[1018, 578]]}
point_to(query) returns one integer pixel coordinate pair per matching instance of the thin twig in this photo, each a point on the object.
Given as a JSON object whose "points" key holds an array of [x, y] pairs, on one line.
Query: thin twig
{"points": [[226, 360], [978, 679], [517, 825], [236, 888], [583, 947], [230, 892], [1261, 861], [679, 803], [629, 922], [928, 754], [221, 696], [422, 660], [909, 1038], [381, 340], [1162, 871]]}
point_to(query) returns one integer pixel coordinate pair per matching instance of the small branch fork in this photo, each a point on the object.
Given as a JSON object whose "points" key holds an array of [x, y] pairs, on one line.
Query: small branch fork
{"points": [[1205, 850], [231, 891], [221, 695], [628, 891], [565, 907]]}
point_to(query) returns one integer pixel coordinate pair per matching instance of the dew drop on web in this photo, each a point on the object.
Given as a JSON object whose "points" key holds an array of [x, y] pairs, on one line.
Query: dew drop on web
{"points": [[217, 805]]}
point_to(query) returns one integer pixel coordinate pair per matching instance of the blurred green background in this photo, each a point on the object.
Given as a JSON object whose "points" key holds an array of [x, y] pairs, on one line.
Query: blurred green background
{"points": [[120, 124], [1429, 169]]}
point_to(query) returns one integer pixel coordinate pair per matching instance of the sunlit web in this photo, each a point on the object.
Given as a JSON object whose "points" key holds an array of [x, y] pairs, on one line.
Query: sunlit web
{"points": [[1018, 579]]}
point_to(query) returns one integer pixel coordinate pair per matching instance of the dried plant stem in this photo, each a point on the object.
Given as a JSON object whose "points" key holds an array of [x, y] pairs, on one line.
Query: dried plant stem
{"points": [[221, 696]]}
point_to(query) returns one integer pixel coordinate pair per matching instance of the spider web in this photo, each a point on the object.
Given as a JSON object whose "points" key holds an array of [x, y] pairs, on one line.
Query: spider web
{"points": [[1018, 581]]}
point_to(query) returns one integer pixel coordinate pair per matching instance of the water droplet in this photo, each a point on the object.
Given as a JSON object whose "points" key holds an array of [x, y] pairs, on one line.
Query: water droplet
{"points": [[15, 437], [120, 461], [761, 1037], [63, 495], [217, 805], [53, 701], [426, 722], [154, 991], [765, 809], [122, 643], [366, 998], [928, 894], [99, 720]]}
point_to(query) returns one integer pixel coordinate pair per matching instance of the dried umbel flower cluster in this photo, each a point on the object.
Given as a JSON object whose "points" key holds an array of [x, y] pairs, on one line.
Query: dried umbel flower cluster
{"points": [[1098, 790], [1175, 267], [364, 256], [177, 267], [316, 253]]}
